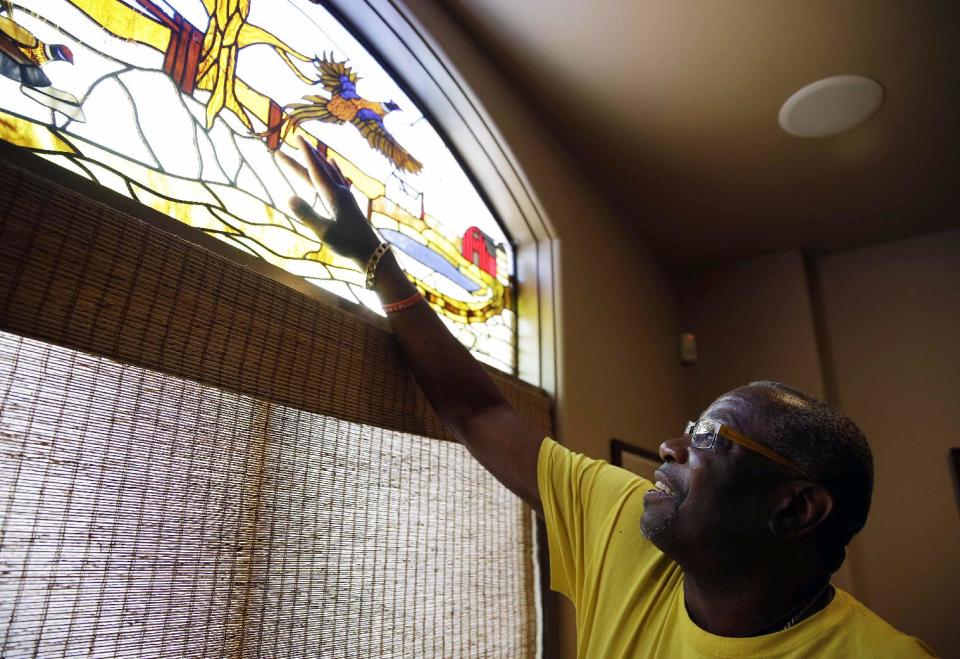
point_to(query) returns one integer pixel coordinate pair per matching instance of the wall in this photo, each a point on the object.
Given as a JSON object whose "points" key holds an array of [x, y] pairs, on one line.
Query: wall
{"points": [[617, 369], [617, 353], [892, 314], [753, 321]]}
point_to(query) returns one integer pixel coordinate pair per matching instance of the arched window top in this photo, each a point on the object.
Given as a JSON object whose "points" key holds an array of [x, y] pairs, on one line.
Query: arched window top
{"points": [[180, 105]]}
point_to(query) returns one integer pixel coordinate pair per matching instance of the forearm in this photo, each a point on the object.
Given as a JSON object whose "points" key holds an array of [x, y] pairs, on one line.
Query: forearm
{"points": [[461, 391], [455, 383]]}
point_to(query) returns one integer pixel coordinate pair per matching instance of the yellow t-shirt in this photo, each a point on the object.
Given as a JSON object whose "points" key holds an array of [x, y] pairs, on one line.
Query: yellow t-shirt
{"points": [[629, 595]]}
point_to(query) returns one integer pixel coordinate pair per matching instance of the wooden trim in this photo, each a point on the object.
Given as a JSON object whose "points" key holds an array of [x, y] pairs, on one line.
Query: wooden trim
{"points": [[955, 463]]}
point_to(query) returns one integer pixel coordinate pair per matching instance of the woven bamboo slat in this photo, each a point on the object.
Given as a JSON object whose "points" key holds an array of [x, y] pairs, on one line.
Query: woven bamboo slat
{"points": [[199, 460]]}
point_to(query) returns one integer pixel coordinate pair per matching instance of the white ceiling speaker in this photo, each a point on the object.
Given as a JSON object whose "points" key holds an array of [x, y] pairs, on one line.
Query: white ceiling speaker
{"points": [[831, 106]]}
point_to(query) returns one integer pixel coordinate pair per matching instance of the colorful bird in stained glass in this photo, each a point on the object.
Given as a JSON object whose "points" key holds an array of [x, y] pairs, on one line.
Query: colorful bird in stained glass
{"points": [[346, 105], [21, 57]]}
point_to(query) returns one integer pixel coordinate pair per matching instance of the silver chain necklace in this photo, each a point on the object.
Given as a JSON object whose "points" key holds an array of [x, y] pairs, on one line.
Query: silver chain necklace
{"points": [[799, 614]]}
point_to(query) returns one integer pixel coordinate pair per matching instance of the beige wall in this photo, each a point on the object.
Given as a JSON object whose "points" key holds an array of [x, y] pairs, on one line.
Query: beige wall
{"points": [[893, 318], [618, 369], [753, 321], [618, 373]]}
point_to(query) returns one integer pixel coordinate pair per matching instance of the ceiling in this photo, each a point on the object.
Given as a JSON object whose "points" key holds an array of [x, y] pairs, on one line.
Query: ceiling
{"points": [[673, 107]]}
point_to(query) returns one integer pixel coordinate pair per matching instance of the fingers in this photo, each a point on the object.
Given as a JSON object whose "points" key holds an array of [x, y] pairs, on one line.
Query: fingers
{"points": [[336, 168], [319, 169], [297, 175], [294, 166], [328, 166], [303, 210]]}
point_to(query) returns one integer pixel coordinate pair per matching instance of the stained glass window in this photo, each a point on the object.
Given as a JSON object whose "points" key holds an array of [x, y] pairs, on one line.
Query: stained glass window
{"points": [[182, 104]]}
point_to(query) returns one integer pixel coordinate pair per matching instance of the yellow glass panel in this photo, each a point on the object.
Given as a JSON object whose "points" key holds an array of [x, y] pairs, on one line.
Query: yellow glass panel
{"points": [[125, 22], [183, 104], [31, 135]]}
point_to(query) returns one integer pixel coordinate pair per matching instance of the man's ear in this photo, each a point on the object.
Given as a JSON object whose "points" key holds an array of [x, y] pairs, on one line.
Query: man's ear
{"points": [[800, 508]]}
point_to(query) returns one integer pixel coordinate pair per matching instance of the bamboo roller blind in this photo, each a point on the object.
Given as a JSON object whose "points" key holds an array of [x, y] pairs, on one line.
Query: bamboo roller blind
{"points": [[196, 460]]}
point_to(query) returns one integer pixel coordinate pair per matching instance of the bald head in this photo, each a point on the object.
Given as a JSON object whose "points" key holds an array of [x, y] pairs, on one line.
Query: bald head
{"points": [[824, 442]]}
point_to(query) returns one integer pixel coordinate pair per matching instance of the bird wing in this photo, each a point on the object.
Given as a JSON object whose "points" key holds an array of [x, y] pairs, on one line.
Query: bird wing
{"points": [[23, 37], [16, 68], [331, 72], [10, 49], [315, 110], [371, 127]]}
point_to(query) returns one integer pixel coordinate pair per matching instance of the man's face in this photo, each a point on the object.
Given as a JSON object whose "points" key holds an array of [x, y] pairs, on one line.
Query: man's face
{"points": [[719, 501]]}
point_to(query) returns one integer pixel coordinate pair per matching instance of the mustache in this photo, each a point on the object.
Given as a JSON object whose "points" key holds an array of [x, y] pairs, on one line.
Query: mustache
{"points": [[668, 474]]}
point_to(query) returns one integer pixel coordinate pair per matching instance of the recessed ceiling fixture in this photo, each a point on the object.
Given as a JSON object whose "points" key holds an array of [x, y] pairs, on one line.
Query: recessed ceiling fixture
{"points": [[831, 106]]}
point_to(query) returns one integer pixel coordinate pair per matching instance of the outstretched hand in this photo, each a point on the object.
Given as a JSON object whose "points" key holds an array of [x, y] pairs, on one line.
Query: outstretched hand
{"points": [[348, 232]]}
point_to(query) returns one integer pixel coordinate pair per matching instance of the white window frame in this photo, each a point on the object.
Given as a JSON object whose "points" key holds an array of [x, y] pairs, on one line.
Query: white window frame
{"points": [[393, 34]]}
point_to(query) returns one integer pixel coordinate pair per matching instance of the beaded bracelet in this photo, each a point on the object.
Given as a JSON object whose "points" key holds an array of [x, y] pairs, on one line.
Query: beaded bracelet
{"points": [[394, 307], [374, 261]]}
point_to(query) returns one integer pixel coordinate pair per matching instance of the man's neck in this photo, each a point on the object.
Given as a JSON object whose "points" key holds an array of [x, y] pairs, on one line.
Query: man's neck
{"points": [[751, 606]]}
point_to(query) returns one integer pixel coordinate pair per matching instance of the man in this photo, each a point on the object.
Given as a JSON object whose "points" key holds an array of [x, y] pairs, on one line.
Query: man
{"points": [[729, 554]]}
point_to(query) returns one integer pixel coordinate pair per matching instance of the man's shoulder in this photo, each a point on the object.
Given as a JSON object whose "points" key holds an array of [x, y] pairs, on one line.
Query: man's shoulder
{"points": [[866, 630], [560, 460], [595, 488]]}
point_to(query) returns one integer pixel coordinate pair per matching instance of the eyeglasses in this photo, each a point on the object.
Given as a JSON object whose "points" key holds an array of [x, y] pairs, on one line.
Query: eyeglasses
{"points": [[703, 434]]}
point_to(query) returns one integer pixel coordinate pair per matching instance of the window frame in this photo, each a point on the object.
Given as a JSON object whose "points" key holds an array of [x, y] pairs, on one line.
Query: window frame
{"points": [[391, 32]]}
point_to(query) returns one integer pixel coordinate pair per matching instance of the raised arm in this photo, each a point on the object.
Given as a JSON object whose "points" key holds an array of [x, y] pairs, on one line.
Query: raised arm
{"points": [[455, 383]]}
